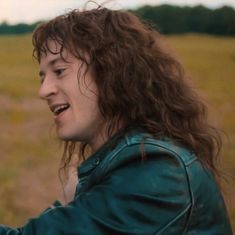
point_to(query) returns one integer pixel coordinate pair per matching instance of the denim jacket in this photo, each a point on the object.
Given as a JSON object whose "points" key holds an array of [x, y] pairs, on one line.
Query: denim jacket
{"points": [[139, 186]]}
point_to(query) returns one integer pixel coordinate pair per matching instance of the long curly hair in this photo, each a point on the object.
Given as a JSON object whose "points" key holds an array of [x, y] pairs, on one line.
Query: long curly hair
{"points": [[139, 82]]}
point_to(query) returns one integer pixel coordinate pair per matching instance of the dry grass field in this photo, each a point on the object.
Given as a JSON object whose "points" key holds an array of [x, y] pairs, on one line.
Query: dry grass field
{"points": [[30, 152]]}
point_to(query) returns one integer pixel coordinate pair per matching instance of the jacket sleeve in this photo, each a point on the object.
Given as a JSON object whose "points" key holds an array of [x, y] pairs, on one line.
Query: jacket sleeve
{"points": [[137, 197]]}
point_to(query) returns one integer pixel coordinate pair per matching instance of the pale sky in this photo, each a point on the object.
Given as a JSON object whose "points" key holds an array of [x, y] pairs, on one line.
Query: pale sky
{"points": [[15, 11]]}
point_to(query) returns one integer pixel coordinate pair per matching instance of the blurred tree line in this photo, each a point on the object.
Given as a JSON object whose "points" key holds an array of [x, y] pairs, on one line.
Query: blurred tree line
{"points": [[6, 28], [169, 19]]}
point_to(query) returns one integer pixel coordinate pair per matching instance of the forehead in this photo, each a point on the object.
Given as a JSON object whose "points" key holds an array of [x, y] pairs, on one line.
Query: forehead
{"points": [[53, 46], [53, 51]]}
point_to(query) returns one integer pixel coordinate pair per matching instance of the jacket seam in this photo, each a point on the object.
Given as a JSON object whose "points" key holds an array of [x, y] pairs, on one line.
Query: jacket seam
{"points": [[192, 201], [150, 142], [173, 220], [105, 166]]}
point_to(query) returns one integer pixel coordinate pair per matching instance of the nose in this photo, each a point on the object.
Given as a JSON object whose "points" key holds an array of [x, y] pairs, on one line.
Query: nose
{"points": [[48, 88]]}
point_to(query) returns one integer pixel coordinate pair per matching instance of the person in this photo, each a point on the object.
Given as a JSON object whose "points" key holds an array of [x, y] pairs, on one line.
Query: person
{"points": [[117, 93]]}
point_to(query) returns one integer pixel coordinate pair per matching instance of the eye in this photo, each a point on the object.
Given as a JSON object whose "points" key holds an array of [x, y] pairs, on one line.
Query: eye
{"points": [[59, 72]]}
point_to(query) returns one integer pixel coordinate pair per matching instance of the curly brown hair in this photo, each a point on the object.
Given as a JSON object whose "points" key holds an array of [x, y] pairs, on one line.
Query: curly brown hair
{"points": [[138, 80]]}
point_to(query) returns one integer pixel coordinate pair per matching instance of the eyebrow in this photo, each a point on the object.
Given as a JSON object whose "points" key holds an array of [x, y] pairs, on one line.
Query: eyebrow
{"points": [[51, 63]]}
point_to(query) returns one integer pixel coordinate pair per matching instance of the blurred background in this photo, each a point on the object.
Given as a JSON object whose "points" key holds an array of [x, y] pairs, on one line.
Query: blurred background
{"points": [[201, 34]]}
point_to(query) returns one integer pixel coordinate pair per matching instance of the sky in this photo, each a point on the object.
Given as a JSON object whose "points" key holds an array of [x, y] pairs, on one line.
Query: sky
{"points": [[29, 11]]}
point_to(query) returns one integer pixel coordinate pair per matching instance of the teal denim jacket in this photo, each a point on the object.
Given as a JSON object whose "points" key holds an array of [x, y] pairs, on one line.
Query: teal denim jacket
{"points": [[140, 186]]}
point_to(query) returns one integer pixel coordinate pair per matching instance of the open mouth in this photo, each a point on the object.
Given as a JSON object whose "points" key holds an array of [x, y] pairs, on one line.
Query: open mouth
{"points": [[58, 109]]}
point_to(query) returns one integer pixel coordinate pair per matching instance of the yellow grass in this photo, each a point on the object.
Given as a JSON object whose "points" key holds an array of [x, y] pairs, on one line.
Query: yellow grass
{"points": [[29, 150]]}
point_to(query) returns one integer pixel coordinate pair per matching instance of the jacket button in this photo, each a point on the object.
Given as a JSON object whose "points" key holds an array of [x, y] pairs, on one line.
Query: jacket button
{"points": [[96, 162]]}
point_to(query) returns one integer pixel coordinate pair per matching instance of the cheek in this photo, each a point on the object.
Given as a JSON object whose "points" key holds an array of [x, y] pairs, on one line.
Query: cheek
{"points": [[90, 102], [85, 98], [93, 111], [86, 108]]}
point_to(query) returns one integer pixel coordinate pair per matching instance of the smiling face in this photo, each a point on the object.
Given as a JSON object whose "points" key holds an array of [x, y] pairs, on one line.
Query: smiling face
{"points": [[72, 97]]}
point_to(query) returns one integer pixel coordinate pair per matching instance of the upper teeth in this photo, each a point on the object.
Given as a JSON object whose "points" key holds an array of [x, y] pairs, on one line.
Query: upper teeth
{"points": [[59, 108]]}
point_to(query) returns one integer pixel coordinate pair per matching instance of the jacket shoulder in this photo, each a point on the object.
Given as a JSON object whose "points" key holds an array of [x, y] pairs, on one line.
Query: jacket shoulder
{"points": [[165, 146], [139, 149]]}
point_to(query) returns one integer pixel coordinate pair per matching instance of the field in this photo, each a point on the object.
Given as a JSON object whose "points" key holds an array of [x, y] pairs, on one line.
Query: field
{"points": [[30, 152]]}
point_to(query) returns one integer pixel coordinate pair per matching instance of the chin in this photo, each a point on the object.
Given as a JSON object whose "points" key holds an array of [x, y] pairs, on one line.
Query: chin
{"points": [[68, 137], [64, 137]]}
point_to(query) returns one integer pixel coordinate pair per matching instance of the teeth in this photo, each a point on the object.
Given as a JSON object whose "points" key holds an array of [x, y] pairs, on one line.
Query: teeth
{"points": [[60, 108]]}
